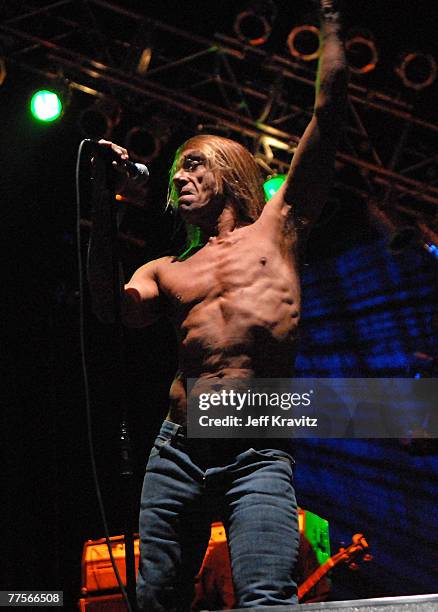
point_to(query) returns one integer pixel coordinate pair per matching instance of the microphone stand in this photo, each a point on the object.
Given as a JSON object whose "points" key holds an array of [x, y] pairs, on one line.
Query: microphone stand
{"points": [[106, 284]]}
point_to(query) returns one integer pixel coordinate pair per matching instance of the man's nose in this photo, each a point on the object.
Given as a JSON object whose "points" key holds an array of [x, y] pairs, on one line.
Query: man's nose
{"points": [[180, 176]]}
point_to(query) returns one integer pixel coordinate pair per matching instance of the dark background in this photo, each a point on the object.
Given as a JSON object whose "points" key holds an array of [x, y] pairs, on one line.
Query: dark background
{"points": [[365, 313]]}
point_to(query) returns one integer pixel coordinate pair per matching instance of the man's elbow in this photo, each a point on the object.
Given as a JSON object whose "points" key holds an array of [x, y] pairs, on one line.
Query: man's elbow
{"points": [[131, 308]]}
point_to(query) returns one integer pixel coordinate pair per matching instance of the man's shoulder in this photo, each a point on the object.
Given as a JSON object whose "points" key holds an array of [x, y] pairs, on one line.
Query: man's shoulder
{"points": [[155, 266], [151, 270], [162, 263]]}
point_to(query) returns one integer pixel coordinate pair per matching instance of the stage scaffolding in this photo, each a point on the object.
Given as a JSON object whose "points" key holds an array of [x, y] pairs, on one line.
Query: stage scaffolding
{"points": [[387, 155]]}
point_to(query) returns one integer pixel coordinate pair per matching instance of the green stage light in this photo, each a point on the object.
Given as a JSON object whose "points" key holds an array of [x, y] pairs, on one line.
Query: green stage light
{"points": [[273, 184], [45, 105]]}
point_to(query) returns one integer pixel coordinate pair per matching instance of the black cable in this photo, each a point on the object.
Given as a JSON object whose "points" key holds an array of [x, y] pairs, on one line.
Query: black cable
{"points": [[86, 383]]}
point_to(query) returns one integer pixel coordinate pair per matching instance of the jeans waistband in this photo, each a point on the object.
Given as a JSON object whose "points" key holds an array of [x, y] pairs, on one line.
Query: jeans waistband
{"points": [[177, 434]]}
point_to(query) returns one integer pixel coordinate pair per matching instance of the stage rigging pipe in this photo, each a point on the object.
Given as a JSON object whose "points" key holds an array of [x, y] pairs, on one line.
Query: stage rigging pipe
{"points": [[400, 235]]}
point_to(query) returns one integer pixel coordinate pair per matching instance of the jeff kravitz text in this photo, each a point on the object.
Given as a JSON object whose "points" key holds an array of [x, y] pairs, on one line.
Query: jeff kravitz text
{"points": [[261, 421]]}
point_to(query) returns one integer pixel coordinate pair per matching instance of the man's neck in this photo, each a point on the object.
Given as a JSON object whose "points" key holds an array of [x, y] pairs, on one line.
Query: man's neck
{"points": [[226, 222]]}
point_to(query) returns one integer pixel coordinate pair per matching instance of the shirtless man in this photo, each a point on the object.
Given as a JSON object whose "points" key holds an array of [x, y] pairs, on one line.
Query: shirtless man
{"points": [[234, 299]]}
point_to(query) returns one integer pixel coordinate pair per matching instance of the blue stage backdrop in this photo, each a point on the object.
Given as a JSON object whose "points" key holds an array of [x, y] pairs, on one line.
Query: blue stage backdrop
{"points": [[365, 314]]}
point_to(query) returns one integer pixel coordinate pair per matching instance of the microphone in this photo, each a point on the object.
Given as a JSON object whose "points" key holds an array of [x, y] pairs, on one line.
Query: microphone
{"points": [[138, 173]]}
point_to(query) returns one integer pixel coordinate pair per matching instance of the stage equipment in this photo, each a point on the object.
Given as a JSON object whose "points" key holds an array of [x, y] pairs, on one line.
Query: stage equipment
{"points": [[316, 531], [268, 143], [358, 548], [98, 574], [413, 603], [361, 51], [253, 93], [400, 234], [46, 105], [99, 119], [417, 70], [432, 249], [303, 42], [144, 142], [102, 603], [430, 239], [254, 24], [97, 571], [144, 61], [273, 184]]}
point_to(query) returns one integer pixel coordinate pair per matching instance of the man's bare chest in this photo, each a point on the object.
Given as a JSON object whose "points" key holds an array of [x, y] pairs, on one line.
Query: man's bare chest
{"points": [[235, 268]]}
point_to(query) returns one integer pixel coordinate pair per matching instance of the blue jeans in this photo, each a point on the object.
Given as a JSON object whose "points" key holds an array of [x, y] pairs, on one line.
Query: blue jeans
{"points": [[188, 483]]}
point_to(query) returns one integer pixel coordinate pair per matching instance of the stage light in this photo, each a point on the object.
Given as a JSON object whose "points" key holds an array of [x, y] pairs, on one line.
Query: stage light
{"points": [[361, 52], [430, 237], [99, 119], [254, 24], [303, 42], [273, 184], [431, 248], [417, 70], [142, 144], [144, 61], [145, 141], [46, 105]]}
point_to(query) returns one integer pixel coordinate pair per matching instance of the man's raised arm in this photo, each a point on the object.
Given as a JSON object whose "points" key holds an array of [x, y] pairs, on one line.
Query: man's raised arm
{"points": [[311, 171]]}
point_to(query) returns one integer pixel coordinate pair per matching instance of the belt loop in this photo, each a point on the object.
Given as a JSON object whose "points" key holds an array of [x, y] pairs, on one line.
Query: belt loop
{"points": [[178, 434]]}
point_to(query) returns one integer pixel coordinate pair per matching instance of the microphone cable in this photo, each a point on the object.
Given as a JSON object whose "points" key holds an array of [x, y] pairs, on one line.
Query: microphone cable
{"points": [[79, 163]]}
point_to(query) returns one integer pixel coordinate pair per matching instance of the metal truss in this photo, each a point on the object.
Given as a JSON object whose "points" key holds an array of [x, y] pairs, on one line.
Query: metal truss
{"points": [[387, 154]]}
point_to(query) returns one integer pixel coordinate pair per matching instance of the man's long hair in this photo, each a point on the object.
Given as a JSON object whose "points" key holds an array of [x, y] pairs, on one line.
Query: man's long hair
{"points": [[236, 173]]}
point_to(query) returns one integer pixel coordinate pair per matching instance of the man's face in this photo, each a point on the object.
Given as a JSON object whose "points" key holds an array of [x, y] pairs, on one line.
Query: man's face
{"points": [[196, 187]]}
